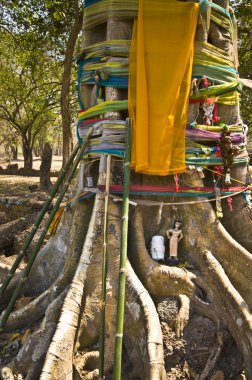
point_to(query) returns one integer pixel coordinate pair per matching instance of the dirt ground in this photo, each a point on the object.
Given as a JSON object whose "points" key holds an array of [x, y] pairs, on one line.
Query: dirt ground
{"points": [[13, 185], [56, 162]]}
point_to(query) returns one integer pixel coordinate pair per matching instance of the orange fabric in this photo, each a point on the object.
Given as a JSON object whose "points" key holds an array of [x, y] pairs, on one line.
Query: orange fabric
{"points": [[159, 85]]}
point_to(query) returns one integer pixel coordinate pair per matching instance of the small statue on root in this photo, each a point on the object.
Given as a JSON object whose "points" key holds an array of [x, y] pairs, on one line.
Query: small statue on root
{"points": [[174, 235]]}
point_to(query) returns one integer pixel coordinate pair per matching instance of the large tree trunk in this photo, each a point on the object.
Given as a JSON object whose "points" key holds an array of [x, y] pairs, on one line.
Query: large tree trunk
{"points": [[14, 152], [215, 289], [45, 168], [66, 81], [27, 153]]}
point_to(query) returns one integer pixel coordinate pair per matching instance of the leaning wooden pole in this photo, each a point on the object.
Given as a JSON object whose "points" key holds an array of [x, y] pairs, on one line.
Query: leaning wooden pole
{"points": [[39, 219], [123, 257], [104, 273], [34, 253]]}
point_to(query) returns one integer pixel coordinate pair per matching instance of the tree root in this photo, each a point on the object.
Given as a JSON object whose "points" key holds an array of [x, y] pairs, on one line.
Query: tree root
{"points": [[4, 270], [222, 293], [87, 362], [149, 337], [52, 257], [206, 309], [28, 314], [91, 360], [10, 229], [183, 315], [62, 346], [36, 309], [45, 269], [230, 307], [31, 356], [58, 361], [94, 375], [215, 353], [202, 230], [90, 321], [160, 280]]}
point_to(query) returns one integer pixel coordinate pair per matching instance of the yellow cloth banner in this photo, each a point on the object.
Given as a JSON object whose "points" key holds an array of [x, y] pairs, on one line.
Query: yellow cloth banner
{"points": [[160, 77]]}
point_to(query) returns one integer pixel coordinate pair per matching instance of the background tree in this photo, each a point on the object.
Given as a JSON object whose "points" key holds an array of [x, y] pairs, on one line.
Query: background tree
{"points": [[10, 140], [45, 168], [243, 11], [29, 88], [59, 23]]}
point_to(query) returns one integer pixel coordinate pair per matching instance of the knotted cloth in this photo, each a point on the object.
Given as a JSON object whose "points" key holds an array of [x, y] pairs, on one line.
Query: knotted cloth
{"points": [[160, 76]]}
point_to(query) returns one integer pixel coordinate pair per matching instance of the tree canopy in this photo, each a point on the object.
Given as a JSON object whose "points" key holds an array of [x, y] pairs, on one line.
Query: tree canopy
{"points": [[30, 85], [38, 32], [243, 11]]}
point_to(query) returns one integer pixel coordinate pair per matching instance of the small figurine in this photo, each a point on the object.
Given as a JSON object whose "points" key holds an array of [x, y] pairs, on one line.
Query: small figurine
{"points": [[97, 95], [194, 88], [228, 151], [219, 212], [204, 82], [174, 235], [208, 113], [97, 77], [200, 172]]}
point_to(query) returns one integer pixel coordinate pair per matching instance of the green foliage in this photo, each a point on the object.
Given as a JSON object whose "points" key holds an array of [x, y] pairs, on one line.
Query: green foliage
{"points": [[33, 45], [50, 19], [30, 84], [243, 12]]}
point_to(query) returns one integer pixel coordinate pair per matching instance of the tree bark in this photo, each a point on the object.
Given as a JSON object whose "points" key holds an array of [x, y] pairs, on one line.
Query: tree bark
{"points": [[14, 152], [66, 82], [9, 230], [27, 153], [45, 168]]}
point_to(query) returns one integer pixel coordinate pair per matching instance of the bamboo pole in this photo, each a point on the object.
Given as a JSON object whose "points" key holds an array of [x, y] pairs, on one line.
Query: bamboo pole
{"points": [[123, 258], [41, 215], [34, 253], [104, 273]]}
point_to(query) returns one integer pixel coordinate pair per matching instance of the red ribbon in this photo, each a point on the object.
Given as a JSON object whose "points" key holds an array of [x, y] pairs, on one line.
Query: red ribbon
{"points": [[229, 199], [218, 170], [216, 118], [176, 179], [209, 100]]}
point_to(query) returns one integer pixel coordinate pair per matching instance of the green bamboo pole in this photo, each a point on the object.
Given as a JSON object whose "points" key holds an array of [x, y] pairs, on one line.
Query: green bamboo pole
{"points": [[34, 253], [104, 274], [123, 258], [36, 225]]}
